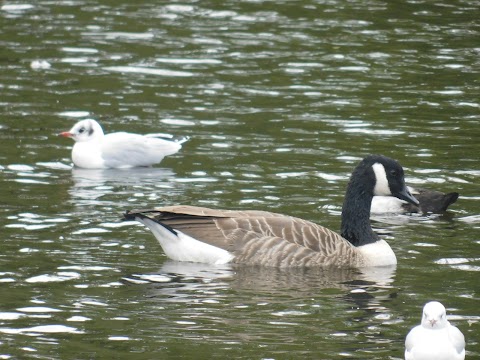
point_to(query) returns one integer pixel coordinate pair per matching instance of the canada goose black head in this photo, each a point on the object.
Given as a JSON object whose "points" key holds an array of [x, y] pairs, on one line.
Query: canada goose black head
{"points": [[374, 175], [393, 172]]}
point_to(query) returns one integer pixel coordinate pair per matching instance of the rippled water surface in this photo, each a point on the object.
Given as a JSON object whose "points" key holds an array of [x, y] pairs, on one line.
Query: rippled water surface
{"points": [[280, 99]]}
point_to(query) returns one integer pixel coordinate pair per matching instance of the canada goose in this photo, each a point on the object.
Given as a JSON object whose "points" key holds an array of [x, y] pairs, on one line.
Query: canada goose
{"points": [[435, 338], [431, 201], [188, 233], [94, 150]]}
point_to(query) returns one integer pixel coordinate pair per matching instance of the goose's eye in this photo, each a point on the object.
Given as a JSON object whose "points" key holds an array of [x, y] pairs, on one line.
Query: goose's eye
{"points": [[393, 172]]}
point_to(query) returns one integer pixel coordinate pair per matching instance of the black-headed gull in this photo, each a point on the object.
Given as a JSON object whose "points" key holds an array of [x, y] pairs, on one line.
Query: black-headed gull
{"points": [[431, 201], [435, 338], [95, 150]]}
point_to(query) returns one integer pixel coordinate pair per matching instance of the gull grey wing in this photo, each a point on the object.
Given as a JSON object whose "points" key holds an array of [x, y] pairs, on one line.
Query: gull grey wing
{"points": [[136, 150], [457, 338], [169, 137]]}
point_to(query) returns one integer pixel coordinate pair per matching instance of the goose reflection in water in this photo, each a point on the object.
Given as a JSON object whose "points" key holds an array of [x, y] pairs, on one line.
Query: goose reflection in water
{"points": [[184, 281]]}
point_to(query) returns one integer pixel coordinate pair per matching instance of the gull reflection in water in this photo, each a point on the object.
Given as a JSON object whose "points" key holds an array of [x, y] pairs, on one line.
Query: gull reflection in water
{"points": [[90, 186]]}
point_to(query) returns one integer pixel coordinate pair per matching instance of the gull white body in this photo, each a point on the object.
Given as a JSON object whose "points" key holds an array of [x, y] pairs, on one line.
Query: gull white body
{"points": [[435, 338], [95, 150]]}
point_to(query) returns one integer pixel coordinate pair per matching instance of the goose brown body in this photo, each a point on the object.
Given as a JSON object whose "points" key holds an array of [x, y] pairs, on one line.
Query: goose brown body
{"points": [[259, 237]]}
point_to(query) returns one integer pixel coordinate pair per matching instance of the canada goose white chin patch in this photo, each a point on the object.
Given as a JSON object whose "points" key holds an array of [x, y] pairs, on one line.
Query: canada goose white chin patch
{"points": [[381, 184]]}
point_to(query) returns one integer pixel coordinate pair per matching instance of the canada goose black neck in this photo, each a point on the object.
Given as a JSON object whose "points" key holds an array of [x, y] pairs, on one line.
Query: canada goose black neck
{"points": [[356, 226]]}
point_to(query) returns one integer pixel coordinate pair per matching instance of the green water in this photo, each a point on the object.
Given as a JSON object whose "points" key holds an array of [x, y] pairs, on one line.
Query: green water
{"points": [[280, 99]]}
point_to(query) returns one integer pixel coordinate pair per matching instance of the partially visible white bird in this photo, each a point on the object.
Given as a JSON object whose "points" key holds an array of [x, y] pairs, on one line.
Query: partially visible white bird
{"points": [[435, 338], [95, 150], [431, 201]]}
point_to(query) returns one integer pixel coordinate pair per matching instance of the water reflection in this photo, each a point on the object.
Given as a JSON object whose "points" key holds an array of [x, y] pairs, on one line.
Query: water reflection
{"points": [[175, 280], [183, 281], [274, 303], [124, 177], [274, 280], [91, 185]]}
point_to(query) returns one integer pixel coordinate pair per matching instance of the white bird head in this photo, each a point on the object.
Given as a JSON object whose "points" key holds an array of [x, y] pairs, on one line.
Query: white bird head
{"points": [[85, 130], [434, 316]]}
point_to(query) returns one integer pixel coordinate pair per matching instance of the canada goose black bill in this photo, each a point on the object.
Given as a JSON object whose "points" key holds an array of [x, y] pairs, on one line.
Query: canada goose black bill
{"points": [[189, 233]]}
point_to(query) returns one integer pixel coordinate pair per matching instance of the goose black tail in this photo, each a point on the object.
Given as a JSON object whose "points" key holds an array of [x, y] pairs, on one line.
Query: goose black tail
{"points": [[130, 215]]}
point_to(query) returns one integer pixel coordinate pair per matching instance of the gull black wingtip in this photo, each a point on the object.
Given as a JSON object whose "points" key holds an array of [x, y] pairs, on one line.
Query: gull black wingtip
{"points": [[182, 139]]}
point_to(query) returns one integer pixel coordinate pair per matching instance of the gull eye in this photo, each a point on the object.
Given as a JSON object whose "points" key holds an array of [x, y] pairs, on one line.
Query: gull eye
{"points": [[82, 130]]}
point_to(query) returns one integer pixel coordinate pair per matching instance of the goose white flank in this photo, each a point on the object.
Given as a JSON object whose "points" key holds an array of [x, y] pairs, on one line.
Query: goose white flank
{"points": [[435, 338], [95, 150], [188, 233]]}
